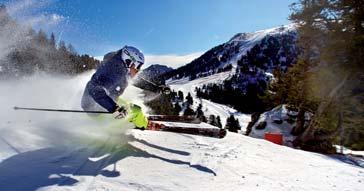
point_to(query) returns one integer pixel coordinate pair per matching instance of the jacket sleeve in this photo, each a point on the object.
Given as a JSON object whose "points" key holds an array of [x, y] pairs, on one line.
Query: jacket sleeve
{"points": [[99, 94]]}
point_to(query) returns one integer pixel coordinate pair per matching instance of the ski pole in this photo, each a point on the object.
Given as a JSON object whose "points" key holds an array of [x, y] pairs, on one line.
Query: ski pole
{"points": [[59, 110], [154, 84]]}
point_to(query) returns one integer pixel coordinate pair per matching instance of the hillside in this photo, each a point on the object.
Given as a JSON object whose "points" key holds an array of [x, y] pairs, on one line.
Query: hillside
{"points": [[209, 108]]}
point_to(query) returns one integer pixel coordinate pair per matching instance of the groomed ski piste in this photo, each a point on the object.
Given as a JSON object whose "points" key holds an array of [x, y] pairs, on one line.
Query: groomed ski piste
{"points": [[61, 151]]}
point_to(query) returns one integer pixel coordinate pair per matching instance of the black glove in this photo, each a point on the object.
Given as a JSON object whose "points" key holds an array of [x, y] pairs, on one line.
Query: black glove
{"points": [[120, 112]]}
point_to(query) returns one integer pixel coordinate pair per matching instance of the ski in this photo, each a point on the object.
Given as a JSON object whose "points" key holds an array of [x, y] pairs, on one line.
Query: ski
{"points": [[184, 124]]}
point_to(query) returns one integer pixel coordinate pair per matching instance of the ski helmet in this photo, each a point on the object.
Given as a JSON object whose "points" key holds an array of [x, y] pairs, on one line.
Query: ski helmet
{"points": [[131, 55]]}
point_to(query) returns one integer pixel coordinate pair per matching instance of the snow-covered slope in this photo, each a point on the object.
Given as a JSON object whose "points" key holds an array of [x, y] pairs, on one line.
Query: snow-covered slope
{"points": [[166, 161], [59, 151], [209, 108]]}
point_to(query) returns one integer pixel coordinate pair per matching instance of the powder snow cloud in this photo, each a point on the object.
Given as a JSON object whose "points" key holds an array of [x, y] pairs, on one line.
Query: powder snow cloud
{"points": [[28, 13]]}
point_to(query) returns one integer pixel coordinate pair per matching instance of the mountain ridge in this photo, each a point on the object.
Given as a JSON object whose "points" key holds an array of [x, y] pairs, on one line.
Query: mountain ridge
{"points": [[225, 56]]}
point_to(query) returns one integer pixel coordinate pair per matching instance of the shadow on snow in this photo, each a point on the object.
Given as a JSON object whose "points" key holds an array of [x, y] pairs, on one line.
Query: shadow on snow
{"points": [[55, 166]]}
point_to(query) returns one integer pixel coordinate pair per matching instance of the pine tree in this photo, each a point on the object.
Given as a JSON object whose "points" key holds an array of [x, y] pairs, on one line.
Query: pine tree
{"points": [[331, 39], [177, 108], [218, 122], [189, 111], [174, 95], [62, 47], [180, 96], [237, 125], [189, 99], [212, 120], [71, 49], [203, 119], [232, 124], [42, 38], [52, 41], [199, 112]]}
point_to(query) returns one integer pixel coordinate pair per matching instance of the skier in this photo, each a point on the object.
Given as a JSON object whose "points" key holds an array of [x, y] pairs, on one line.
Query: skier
{"points": [[109, 82]]}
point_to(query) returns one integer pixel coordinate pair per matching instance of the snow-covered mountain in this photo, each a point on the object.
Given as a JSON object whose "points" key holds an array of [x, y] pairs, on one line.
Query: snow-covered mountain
{"points": [[246, 41], [227, 55], [155, 71], [250, 59], [150, 77]]}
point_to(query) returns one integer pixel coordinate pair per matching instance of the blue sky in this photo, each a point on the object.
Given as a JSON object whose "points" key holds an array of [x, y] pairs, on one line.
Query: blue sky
{"points": [[174, 28]]}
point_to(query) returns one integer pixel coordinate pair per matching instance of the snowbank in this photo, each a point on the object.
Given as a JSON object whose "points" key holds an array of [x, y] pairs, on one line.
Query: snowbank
{"points": [[275, 122]]}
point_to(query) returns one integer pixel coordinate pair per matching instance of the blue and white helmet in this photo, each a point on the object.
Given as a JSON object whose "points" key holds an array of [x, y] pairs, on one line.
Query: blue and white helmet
{"points": [[131, 55]]}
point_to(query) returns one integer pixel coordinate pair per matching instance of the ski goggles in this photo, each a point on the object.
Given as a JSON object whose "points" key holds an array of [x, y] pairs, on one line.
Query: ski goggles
{"points": [[132, 60], [136, 64]]}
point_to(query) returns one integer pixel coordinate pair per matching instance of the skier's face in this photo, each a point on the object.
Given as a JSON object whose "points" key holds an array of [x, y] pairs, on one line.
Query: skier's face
{"points": [[133, 70]]}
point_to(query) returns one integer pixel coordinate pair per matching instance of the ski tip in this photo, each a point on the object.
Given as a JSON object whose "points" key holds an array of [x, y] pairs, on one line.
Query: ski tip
{"points": [[16, 108]]}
